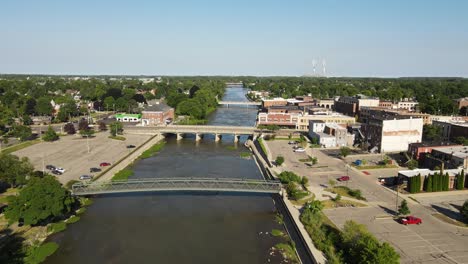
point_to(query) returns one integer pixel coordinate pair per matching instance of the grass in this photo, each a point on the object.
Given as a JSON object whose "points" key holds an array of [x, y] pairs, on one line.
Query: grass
{"points": [[73, 219], [279, 218], [245, 154], [277, 233], [70, 183], [341, 203], [449, 220], [309, 158], [303, 201], [231, 147], [260, 141], [153, 150], [288, 251], [20, 146], [57, 227], [81, 210], [38, 254], [123, 175], [345, 191], [117, 138], [370, 167], [85, 201]]}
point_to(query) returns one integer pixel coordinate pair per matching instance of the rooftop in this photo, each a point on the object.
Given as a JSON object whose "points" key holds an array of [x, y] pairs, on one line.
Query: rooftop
{"points": [[460, 151], [161, 107], [425, 172]]}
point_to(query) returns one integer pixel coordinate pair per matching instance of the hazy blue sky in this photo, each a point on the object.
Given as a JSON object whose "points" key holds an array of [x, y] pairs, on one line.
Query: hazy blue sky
{"points": [[175, 37]]}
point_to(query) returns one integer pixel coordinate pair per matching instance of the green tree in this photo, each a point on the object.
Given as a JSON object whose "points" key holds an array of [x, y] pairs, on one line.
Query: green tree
{"points": [[412, 164], [432, 132], [464, 210], [41, 199], [109, 103], [21, 132], [191, 107], [50, 135], [14, 170], [116, 128], [43, 106], [344, 151], [429, 183], [461, 180], [279, 160], [404, 209]]}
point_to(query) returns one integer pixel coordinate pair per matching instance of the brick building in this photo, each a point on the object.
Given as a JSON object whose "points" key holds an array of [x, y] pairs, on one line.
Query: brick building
{"points": [[157, 114]]}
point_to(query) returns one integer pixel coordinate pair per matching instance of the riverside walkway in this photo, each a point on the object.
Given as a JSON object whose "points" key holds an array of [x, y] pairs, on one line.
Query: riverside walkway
{"points": [[177, 184]]}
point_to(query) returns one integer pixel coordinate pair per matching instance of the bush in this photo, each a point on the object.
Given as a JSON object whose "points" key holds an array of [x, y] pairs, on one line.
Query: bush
{"points": [[50, 135], [276, 232], [73, 219], [464, 210], [57, 227], [38, 254], [289, 176], [279, 160]]}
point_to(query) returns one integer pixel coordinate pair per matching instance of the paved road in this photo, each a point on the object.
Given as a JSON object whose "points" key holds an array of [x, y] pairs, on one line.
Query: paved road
{"points": [[432, 242], [71, 153]]}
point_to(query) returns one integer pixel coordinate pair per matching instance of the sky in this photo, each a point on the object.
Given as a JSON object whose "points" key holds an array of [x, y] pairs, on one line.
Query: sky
{"points": [[374, 38]]}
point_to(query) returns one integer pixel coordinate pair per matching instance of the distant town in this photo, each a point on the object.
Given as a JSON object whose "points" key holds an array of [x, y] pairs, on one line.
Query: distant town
{"points": [[357, 168]]}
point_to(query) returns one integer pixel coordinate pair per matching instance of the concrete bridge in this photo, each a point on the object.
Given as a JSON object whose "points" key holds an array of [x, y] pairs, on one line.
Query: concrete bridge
{"points": [[178, 184], [198, 131], [247, 103]]}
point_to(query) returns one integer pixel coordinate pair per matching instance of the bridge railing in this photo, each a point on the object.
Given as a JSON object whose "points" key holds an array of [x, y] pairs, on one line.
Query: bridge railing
{"points": [[177, 184]]}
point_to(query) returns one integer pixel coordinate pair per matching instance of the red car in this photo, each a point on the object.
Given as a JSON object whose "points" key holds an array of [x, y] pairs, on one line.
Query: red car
{"points": [[343, 178], [104, 164], [410, 220]]}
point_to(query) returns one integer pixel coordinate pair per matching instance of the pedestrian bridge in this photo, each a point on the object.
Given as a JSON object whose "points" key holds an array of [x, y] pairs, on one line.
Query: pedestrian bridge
{"points": [[228, 103], [178, 184]]}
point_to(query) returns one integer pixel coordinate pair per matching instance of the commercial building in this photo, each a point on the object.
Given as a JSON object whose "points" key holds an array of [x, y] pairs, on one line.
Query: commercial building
{"points": [[280, 119], [351, 105], [418, 150], [326, 117], [392, 135], [452, 129], [325, 103], [380, 112], [128, 117], [330, 134], [274, 102], [404, 176], [157, 114], [452, 156]]}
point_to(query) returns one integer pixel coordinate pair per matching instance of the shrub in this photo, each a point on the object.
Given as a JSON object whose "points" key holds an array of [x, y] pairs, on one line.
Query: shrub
{"points": [[57, 227], [464, 210], [279, 160], [38, 254], [289, 176]]}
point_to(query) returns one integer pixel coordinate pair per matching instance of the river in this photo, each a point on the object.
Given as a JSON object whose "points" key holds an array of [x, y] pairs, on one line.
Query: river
{"points": [[181, 227]]}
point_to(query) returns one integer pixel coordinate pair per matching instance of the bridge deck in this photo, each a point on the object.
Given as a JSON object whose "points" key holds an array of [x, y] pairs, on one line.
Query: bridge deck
{"points": [[177, 184]]}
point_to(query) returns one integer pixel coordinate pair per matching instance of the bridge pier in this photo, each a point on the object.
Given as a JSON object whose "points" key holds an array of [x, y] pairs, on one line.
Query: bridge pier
{"points": [[217, 137], [236, 138], [180, 136], [198, 137]]}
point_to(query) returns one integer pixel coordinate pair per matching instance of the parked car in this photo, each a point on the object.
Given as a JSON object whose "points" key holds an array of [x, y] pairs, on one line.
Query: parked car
{"points": [[292, 142], [94, 170], [343, 178], [104, 164], [86, 177], [410, 220], [130, 146], [299, 150], [56, 172], [50, 167], [62, 170]]}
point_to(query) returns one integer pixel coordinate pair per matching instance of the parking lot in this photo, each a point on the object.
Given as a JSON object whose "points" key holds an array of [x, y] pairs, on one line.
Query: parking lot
{"points": [[432, 242], [71, 153]]}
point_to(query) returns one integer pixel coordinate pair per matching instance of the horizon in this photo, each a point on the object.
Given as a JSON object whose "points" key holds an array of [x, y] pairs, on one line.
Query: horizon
{"points": [[362, 39]]}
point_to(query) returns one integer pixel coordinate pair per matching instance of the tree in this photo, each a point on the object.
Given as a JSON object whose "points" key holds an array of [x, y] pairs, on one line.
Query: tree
{"points": [[21, 132], [30, 106], [461, 180], [26, 119], [50, 135], [464, 210], [43, 106], [345, 151], [429, 183], [432, 132], [404, 209], [41, 199], [69, 128], [83, 125], [116, 128], [14, 170], [109, 102], [412, 164], [279, 160], [102, 126]]}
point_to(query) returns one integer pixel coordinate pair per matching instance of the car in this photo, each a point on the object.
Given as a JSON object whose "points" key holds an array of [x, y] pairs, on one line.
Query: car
{"points": [[94, 170], [130, 146], [50, 167], [62, 170], [343, 178], [299, 150], [56, 172], [292, 142], [86, 177], [104, 164], [410, 220]]}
